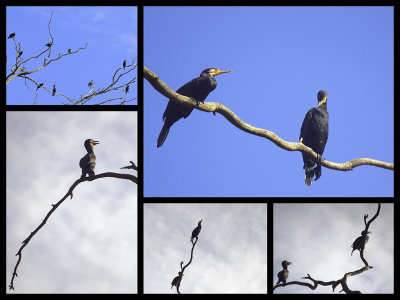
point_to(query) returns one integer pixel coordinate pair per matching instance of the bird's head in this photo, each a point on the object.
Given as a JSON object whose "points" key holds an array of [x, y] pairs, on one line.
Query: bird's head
{"points": [[214, 72], [89, 144], [200, 222], [322, 97], [285, 263]]}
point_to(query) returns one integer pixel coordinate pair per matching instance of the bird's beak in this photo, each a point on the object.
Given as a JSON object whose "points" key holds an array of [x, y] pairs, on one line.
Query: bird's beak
{"points": [[322, 101], [369, 232], [218, 71], [289, 263], [95, 143]]}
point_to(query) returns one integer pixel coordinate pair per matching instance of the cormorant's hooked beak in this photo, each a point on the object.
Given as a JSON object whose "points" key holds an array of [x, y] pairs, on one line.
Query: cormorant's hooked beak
{"points": [[322, 101], [95, 143], [289, 263], [218, 72]]}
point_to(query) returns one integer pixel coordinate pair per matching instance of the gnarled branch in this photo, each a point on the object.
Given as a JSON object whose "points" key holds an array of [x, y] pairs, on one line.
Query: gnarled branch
{"points": [[213, 107], [54, 207]]}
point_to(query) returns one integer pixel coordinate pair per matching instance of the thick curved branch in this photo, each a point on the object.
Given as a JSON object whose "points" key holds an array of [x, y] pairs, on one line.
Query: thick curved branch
{"points": [[54, 207], [213, 107]]}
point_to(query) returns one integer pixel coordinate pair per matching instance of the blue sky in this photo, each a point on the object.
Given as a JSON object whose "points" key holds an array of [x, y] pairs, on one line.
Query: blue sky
{"points": [[111, 34], [317, 239], [89, 244], [281, 57], [229, 257]]}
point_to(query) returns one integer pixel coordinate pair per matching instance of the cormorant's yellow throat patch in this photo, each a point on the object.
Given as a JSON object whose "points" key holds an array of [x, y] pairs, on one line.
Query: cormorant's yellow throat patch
{"points": [[322, 101]]}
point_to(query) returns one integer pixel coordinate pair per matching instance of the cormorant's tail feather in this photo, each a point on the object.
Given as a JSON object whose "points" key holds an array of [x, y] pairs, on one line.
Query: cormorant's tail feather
{"points": [[309, 175], [317, 172], [163, 135]]}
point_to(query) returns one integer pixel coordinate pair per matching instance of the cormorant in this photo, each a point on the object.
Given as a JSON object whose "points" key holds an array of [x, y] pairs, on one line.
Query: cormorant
{"points": [[20, 53], [126, 89], [11, 35], [360, 242], [54, 89], [176, 280], [69, 51], [124, 64], [49, 44], [283, 275], [198, 88], [90, 84], [39, 86], [88, 162], [196, 231], [314, 134]]}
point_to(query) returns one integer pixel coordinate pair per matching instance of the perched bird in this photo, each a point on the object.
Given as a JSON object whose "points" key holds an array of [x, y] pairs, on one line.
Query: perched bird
{"points": [[88, 162], [198, 88], [124, 64], [69, 51], [54, 89], [90, 84], [39, 86], [176, 280], [360, 242], [20, 53], [314, 134], [126, 89], [283, 275], [11, 35], [196, 231], [49, 44]]}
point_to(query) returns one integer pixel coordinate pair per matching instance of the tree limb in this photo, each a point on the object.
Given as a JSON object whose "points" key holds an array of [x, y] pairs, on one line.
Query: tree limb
{"points": [[213, 107], [343, 280], [54, 207], [183, 268]]}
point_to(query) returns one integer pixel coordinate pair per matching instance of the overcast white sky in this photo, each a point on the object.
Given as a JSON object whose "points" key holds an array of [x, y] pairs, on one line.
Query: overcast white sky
{"points": [[229, 257], [89, 244], [317, 239]]}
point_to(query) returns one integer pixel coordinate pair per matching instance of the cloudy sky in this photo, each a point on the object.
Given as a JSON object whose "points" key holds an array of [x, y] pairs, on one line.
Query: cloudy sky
{"points": [[111, 34], [89, 243], [316, 238], [229, 257]]}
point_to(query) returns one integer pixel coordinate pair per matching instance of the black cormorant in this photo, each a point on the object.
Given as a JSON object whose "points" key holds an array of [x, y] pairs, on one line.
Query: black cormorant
{"points": [[124, 64], [11, 35], [176, 280], [88, 162], [90, 84], [69, 51], [360, 242], [20, 53], [198, 88], [126, 89], [39, 86], [314, 134], [54, 89], [283, 275], [49, 44], [196, 231]]}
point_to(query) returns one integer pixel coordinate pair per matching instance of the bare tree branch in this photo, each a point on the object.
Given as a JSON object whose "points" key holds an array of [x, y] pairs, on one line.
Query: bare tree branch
{"points": [[54, 207], [183, 268], [343, 280], [213, 107]]}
